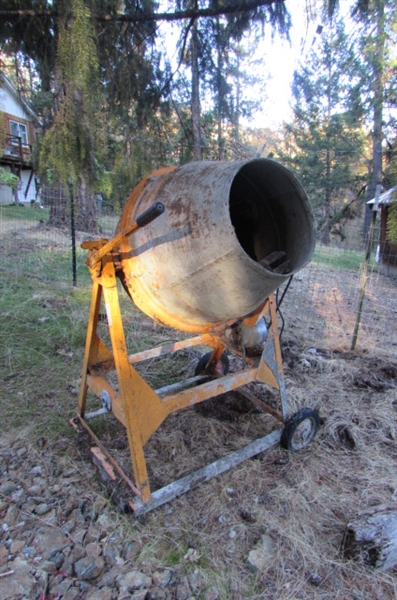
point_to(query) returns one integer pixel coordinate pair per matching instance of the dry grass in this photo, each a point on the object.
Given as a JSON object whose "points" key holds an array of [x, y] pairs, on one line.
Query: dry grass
{"points": [[301, 502]]}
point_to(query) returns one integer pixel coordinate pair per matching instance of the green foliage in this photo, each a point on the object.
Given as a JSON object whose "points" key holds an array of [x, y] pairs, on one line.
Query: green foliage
{"points": [[42, 103], [377, 41], [143, 150], [103, 85], [105, 185], [43, 330], [69, 146], [32, 38], [391, 229], [225, 69], [338, 258], [129, 64], [20, 212], [391, 181], [8, 179], [391, 162], [325, 142], [77, 57]]}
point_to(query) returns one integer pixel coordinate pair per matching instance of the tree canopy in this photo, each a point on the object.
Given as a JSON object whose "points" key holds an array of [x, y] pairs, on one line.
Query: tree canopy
{"points": [[115, 106], [328, 141]]}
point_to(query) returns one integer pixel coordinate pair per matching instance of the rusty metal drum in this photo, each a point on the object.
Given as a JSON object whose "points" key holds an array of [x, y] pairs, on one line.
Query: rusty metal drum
{"points": [[231, 234]]}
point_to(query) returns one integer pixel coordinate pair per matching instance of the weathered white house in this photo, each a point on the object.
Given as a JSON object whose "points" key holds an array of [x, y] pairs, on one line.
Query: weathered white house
{"points": [[20, 124]]}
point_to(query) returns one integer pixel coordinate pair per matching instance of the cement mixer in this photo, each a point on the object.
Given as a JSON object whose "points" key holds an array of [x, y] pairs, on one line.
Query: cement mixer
{"points": [[200, 248]]}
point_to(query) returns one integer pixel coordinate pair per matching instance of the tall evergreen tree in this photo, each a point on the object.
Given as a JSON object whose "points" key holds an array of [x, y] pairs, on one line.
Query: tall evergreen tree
{"points": [[195, 103], [33, 36], [377, 40], [133, 85], [326, 139], [120, 87], [68, 149], [213, 46]]}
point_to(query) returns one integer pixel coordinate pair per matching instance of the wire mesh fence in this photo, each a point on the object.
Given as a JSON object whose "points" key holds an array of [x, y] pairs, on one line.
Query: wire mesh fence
{"points": [[319, 309], [30, 245], [322, 306]]}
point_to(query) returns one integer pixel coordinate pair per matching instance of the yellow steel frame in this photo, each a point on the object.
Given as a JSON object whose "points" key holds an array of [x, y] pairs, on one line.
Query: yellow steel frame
{"points": [[138, 407]]}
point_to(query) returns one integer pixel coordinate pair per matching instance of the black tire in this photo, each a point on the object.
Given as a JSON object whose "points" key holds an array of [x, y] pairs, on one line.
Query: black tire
{"points": [[300, 429], [222, 365]]}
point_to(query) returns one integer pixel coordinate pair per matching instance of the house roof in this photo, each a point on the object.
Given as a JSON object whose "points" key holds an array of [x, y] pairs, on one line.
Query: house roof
{"points": [[386, 197], [6, 83]]}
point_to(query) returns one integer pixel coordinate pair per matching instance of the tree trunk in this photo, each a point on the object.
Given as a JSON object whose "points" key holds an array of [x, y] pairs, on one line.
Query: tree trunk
{"points": [[325, 236], [377, 131], [85, 207], [85, 212], [237, 111], [219, 95], [371, 537], [195, 96], [55, 197]]}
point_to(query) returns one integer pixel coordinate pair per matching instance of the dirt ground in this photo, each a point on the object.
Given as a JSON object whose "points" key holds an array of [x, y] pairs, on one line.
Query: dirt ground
{"points": [[272, 528], [304, 500], [291, 510]]}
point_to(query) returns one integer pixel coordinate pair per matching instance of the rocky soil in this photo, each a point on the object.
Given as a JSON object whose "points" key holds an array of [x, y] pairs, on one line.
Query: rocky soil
{"points": [[59, 541]]}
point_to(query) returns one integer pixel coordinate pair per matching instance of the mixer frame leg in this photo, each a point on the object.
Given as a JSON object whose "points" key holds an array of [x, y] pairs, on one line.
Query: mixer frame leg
{"points": [[270, 370], [130, 388]]}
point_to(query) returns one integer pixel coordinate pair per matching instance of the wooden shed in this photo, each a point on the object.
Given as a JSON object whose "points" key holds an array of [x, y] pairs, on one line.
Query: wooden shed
{"points": [[387, 252]]}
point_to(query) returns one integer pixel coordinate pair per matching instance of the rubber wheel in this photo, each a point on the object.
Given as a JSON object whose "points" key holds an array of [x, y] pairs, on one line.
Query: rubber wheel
{"points": [[300, 429], [222, 366]]}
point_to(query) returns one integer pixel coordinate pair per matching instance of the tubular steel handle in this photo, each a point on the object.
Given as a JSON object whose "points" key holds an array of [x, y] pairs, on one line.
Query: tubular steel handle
{"points": [[145, 218], [150, 214]]}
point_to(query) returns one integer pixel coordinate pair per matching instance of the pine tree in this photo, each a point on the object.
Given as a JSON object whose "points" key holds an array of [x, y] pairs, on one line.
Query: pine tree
{"points": [[212, 54], [68, 150], [228, 67], [326, 140], [378, 19]]}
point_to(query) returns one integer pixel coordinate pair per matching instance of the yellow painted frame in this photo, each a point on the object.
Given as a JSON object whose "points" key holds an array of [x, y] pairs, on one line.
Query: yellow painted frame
{"points": [[138, 407]]}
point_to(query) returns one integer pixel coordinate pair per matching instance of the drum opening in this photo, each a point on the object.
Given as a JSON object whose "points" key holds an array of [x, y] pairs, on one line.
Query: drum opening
{"points": [[270, 214]]}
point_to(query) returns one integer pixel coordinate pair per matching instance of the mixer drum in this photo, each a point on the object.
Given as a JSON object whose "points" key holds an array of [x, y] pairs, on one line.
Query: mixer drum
{"points": [[231, 233]]}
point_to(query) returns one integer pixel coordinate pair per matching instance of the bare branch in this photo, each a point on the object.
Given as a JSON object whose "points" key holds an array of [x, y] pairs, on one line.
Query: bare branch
{"points": [[238, 6]]}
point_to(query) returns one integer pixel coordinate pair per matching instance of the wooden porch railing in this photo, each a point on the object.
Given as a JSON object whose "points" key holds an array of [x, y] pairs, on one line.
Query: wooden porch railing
{"points": [[15, 150]]}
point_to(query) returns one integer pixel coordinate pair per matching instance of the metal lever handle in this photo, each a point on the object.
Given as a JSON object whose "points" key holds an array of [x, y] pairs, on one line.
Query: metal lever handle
{"points": [[145, 218], [150, 214]]}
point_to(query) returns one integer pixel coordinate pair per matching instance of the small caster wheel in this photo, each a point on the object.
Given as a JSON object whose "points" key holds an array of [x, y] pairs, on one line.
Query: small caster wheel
{"points": [[222, 366], [300, 429]]}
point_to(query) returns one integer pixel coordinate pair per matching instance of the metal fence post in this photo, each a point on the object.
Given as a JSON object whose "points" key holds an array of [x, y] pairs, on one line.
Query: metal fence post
{"points": [[73, 232], [364, 276]]}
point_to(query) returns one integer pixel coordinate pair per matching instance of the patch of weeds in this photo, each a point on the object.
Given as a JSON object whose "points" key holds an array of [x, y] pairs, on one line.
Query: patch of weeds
{"points": [[108, 224], [174, 556], [106, 427], [24, 213], [166, 370], [41, 349], [339, 258]]}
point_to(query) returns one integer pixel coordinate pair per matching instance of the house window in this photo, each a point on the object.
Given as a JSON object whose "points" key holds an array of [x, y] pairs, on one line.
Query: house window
{"points": [[19, 130]]}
